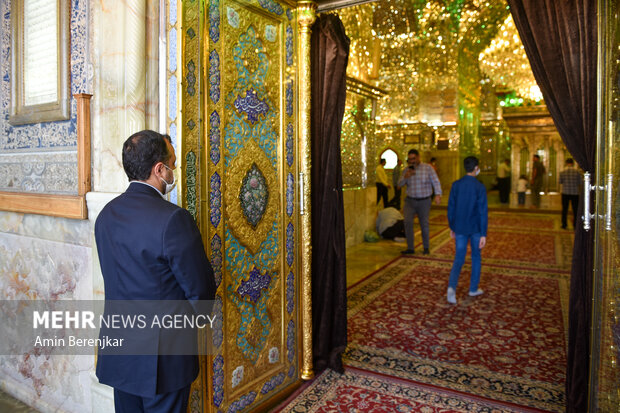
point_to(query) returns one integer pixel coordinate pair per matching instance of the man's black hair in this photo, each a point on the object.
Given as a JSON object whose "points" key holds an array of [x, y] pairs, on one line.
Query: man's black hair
{"points": [[570, 161], [537, 157], [413, 151], [470, 163], [141, 151]]}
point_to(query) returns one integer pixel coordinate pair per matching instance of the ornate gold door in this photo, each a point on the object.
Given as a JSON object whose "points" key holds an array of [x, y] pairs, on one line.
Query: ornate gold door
{"points": [[250, 219], [605, 359]]}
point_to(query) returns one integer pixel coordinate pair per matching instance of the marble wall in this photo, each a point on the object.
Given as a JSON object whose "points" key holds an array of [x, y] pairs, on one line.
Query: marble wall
{"points": [[125, 63], [46, 258], [360, 212]]}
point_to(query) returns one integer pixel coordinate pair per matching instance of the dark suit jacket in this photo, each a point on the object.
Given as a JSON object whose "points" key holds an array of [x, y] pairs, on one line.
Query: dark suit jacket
{"points": [[150, 249]]}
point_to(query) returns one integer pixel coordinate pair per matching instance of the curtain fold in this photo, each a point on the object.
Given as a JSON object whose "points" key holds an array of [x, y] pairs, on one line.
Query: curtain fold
{"points": [[560, 39], [329, 55]]}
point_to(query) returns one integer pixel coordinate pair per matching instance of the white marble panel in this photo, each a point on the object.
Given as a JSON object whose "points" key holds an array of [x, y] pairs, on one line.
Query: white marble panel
{"points": [[37, 269], [33, 268], [96, 201], [55, 384], [360, 212], [64, 230], [125, 101]]}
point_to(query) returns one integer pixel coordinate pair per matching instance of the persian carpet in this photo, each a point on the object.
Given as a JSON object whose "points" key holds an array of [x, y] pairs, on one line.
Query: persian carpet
{"points": [[508, 344], [513, 220], [356, 391], [512, 241]]}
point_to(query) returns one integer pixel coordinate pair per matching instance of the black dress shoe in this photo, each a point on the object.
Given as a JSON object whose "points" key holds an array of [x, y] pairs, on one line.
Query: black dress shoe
{"points": [[426, 251], [409, 252]]}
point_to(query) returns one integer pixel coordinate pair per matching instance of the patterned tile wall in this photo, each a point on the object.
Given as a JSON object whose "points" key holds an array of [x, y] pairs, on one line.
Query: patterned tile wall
{"points": [[47, 160]]}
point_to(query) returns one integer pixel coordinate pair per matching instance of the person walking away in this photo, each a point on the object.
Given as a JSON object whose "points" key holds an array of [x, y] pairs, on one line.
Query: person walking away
{"points": [[522, 184], [570, 179], [538, 174], [382, 183], [395, 202], [421, 180], [468, 220], [503, 181]]}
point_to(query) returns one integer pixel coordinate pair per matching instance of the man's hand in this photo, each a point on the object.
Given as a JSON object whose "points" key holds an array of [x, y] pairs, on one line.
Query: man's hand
{"points": [[409, 172], [451, 234], [437, 199], [482, 243]]}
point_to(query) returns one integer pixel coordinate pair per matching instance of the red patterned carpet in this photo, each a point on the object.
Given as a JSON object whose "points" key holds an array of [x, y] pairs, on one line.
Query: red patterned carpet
{"points": [[519, 248], [356, 391], [508, 344], [502, 351], [412, 317], [524, 240], [512, 220]]}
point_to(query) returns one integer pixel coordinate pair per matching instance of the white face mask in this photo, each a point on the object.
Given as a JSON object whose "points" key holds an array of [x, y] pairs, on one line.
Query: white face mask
{"points": [[169, 187], [476, 171]]}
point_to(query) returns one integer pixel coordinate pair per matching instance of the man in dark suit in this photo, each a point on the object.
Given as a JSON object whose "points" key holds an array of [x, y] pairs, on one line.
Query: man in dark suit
{"points": [[150, 249]]}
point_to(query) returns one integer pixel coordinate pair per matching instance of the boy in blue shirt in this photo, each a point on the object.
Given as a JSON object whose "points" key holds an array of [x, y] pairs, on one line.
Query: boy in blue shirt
{"points": [[467, 217]]}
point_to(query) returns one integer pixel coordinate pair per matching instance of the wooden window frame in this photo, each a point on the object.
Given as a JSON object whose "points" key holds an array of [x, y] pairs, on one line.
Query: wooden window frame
{"points": [[67, 206]]}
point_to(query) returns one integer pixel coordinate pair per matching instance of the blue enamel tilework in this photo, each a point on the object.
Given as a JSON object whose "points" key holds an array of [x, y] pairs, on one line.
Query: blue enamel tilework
{"points": [[214, 76], [272, 383], [214, 20], [215, 199], [214, 137]]}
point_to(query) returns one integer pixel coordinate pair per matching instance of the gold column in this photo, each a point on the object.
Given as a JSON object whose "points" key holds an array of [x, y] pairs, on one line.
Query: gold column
{"points": [[306, 12]]}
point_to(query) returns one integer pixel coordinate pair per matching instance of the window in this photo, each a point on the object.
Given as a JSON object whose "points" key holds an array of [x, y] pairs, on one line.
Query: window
{"points": [[40, 53], [390, 158]]}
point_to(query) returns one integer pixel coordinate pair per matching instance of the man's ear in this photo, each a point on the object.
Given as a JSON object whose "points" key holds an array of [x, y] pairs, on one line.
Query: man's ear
{"points": [[156, 169]]}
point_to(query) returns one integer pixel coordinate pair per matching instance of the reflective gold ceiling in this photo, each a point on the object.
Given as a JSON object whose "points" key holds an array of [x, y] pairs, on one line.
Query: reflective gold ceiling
{"points": [[412, 48]]}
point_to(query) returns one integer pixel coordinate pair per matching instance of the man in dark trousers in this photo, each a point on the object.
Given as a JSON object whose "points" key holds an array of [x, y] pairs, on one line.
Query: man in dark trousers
{"points": [[538, 174], [467, 217], [422, 182], [150, 249], [570, 179]]}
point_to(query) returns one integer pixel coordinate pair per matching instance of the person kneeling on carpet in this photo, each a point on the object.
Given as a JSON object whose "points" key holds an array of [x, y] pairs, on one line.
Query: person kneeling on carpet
{"points": [[390, 224], [468, 220]]}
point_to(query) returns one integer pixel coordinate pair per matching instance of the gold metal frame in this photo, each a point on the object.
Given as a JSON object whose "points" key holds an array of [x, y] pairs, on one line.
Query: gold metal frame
{"points": [[306, 12]]}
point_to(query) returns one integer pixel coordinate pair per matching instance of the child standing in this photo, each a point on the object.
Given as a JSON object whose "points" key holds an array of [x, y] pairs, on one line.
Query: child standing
{"points": [[521, 188]]}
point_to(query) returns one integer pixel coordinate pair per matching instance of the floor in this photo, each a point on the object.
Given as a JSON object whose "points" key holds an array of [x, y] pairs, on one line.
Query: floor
{"points": [[10, 405], [365, 258]]}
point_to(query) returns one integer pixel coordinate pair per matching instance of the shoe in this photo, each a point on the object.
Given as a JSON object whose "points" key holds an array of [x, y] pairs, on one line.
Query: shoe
{"points": [[426, 251], [408, 252], [451, 295], [564, 227], [475, 293]]}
